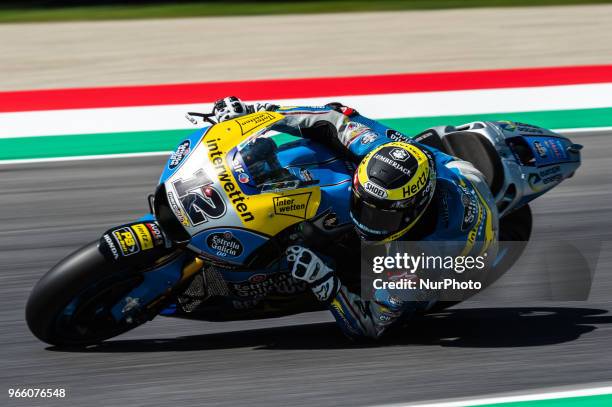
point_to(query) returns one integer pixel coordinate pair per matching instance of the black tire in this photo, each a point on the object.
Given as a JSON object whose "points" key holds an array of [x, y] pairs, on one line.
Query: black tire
{"points": [[89, 280], [514, 227]]}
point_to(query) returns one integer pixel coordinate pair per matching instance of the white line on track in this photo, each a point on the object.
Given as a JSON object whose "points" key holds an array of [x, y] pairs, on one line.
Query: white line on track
{"points": [[584, 130], [84, 157], [531, 396]]}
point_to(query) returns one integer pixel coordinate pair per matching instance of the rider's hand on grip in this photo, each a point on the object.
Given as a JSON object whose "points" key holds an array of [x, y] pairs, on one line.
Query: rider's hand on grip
{"points": [[229, 108], [345, 110], [321, 230]]}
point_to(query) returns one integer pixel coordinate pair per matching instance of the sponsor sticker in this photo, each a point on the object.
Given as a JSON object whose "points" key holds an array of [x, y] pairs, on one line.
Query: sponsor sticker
{"points": [[470, 209], [511, 127], [444, 216], [425, 135], [305, 174], [395, 301], [534, 182], [557, 148], [243, 178], [178, 211], [539, 181], [528, 128], [144, 236], [399, 154], [254, 121], [225, 244], [156, 233], [376, 190], [279, 186], [550, 171], [258, 285], [347, 111], [539, 148], [111, 246], [357, 131], [231, 188], [384, 317], [368, 138], [353, 131], [352, 126], [423, 181], [179, 154], [127, 241], [396, 135], [393, 163], [292, 205]]}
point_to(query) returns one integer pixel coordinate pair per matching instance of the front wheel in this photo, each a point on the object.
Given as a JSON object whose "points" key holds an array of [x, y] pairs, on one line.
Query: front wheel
{"points": [[71, 305]]}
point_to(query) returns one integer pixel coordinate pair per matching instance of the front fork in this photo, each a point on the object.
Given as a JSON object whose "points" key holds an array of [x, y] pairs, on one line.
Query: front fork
{"points": [[158, 287], [166, 269]]}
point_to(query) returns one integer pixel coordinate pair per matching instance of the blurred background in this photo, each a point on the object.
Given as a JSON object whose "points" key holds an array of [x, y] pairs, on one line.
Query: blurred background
{"points": [[156, 48]]}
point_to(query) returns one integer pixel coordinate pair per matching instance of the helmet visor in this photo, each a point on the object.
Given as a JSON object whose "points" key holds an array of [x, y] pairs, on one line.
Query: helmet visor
{"points": [[376, 222]]}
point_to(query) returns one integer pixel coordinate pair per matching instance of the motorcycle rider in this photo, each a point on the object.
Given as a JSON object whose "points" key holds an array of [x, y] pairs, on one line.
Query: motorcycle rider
{"points": [[402, 190]]}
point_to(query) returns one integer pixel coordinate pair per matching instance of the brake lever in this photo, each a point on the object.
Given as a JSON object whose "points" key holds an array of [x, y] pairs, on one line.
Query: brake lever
{"points": [[205, 116]]}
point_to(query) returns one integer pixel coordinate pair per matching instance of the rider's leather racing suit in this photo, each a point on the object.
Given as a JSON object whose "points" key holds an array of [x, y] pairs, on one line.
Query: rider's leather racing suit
{"points": [[462, 210]]}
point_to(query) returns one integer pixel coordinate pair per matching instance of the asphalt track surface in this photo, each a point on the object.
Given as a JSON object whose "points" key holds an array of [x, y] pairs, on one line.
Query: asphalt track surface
{"points": [[49, 209]]}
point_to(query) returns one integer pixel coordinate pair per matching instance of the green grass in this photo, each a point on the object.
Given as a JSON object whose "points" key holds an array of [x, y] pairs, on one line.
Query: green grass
{"points": [[31, 13]]}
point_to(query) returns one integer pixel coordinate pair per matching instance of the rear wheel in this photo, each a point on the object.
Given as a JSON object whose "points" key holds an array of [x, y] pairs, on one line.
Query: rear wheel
{"points": [[71, 304], [514, 227], [514, 234]]}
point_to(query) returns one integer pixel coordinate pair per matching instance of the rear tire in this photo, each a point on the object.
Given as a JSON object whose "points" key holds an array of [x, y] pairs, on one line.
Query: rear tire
{"points": [[514, 227], [70, 305]]}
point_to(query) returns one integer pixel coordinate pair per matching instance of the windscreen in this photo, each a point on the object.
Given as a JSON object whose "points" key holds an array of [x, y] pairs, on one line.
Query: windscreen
{"points": [[260, 158]]}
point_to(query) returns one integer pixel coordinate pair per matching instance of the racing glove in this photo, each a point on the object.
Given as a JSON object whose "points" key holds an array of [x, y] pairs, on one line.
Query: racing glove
{"points": [[356, 317], [307, 266], [232, 107], [340, 108], [229, 108]]}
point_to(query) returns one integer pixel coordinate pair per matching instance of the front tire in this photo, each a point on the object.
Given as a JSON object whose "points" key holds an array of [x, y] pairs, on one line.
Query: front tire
{"points": [[70, 305]]}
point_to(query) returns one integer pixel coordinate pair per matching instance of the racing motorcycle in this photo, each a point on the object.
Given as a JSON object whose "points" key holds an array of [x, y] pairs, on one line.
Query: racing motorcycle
{"points": [[232, 197]]}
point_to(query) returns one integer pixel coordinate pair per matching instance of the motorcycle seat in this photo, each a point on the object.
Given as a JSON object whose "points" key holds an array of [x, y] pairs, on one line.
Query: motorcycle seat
{"points": [[472, 147]]}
